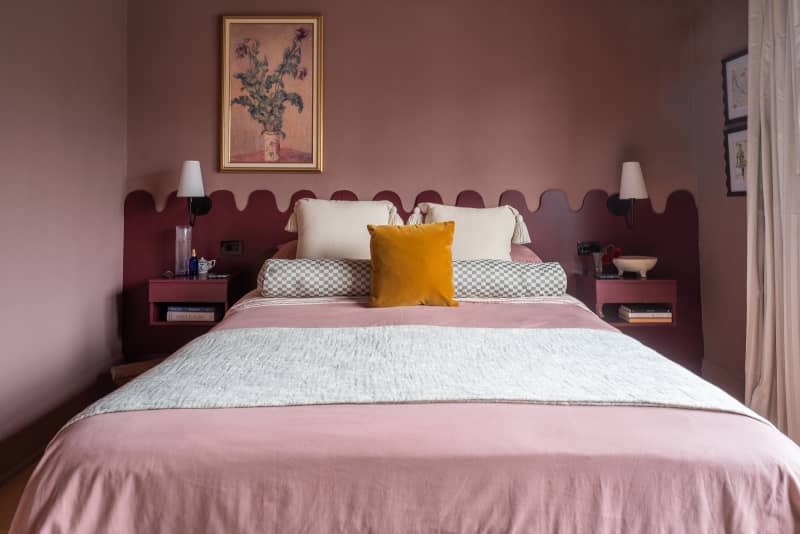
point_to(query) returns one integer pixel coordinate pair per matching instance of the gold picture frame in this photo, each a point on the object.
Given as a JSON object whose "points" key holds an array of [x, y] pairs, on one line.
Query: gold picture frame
{"points": [[271, 94]]}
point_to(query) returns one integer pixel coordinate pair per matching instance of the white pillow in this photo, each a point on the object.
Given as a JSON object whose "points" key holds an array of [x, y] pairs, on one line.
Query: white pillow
{"points": [[480, 233], [338, 228]]}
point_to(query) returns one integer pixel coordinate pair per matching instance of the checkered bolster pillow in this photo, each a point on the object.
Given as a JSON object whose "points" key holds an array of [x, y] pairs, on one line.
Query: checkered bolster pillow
{"points": [[304, 278], [508, 279], [315, 278]]}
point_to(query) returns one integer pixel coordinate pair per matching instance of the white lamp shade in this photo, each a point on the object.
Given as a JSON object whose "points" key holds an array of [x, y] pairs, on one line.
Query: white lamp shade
{"points": [[632, 184], [191, 184]]}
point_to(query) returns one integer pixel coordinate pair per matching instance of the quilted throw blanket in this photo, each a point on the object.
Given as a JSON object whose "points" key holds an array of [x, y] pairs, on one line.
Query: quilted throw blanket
{"points": [[414, 364]]}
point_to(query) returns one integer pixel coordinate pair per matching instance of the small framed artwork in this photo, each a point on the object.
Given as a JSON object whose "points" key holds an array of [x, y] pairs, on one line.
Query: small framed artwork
{"points": [[734, 86], [736, 160], [271, 113]]}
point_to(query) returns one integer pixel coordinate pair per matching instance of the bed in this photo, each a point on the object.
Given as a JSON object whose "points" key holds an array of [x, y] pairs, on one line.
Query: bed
{"points": [[324, 415]]}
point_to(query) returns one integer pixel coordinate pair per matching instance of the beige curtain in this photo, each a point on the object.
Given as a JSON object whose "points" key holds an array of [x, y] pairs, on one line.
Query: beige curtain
{"points": [[773, 214]]}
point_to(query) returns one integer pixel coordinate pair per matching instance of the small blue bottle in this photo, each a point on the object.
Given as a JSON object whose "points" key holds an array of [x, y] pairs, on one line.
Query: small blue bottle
{"points": [[193, 265]]}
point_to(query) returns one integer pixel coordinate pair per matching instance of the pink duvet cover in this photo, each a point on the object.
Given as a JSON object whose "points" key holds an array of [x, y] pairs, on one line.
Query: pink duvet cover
{"points": [[468, 467]]}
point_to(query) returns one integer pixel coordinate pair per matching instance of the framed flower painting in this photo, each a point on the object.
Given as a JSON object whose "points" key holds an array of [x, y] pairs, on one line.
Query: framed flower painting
{"points": [[271, 116]]}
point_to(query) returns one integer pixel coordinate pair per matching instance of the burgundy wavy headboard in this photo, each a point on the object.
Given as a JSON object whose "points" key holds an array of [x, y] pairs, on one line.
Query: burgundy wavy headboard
{"points": [[554, 227]]}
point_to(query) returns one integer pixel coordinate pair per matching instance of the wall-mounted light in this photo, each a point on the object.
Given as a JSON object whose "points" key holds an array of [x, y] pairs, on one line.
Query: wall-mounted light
{"points": [[191, 188], [631, 188]]}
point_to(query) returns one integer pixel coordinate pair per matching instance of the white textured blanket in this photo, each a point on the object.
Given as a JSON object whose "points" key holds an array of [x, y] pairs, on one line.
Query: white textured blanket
{"points": [[403, 364]]}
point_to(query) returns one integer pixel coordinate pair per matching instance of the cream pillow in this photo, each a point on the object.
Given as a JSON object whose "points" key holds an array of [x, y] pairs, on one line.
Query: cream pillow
{"points": [[338, 228], [481, 233]]}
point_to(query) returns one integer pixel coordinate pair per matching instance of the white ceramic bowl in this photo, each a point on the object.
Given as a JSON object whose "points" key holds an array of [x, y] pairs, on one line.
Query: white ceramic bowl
{"points": [[635, 264]]}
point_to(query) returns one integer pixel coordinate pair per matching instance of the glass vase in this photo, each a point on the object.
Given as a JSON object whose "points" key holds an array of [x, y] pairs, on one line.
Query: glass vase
{"points": [[598, 262], [183, 249]]}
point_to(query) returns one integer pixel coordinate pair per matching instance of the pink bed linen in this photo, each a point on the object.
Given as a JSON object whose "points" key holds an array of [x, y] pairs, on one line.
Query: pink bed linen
{"points": [[356, 313], [452, 467]]}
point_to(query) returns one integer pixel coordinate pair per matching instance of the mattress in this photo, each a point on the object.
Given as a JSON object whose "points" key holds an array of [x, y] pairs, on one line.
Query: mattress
{"points": [[605, 460]]}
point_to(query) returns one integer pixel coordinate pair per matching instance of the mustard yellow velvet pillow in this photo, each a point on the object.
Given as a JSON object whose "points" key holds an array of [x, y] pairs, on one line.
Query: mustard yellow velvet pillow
{"points": [[412, 264]]}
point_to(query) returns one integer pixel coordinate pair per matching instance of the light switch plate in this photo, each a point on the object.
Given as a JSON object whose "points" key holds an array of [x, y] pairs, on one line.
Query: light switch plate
{"points": [[231, 248], [587, 247]]}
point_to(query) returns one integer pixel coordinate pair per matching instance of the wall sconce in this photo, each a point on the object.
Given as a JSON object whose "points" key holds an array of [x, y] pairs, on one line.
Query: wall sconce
{"points": [[631, 188], [191, 188]]}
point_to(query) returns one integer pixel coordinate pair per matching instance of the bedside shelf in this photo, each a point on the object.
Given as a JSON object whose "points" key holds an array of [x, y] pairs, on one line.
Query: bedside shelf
{"points": [[604, 296], [616, 321], [165, 292], [183, 323]]}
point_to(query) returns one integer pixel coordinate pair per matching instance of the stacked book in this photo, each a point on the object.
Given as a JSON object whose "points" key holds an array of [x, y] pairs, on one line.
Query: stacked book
{"points": [[191, 314], [646, 313]]}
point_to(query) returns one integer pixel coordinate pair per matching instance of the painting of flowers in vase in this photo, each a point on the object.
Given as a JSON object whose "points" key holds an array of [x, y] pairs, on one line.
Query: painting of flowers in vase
{"points": [[271, 117]]}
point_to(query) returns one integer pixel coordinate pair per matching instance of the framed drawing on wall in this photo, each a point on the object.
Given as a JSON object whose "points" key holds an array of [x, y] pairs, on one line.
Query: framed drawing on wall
{"points": [[736, 160], [271, 113], [734, 86]]}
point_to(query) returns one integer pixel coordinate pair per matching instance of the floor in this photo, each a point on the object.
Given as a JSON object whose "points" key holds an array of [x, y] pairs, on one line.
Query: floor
{"points": [[10, 493]]}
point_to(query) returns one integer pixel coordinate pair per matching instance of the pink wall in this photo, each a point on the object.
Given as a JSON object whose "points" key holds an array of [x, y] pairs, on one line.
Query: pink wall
{"points": [[62, 159], [446, 94], [721, 30], [473, 94]]}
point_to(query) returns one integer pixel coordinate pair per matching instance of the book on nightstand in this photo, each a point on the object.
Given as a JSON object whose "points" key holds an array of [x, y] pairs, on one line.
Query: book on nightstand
{"points": [[191, 314], [646, 313]]}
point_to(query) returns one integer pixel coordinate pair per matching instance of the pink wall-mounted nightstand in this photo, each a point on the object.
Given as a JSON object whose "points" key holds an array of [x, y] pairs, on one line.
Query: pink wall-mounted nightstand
{"points": [[160, 337], [603, 296], [676, 340], [163, 292]]}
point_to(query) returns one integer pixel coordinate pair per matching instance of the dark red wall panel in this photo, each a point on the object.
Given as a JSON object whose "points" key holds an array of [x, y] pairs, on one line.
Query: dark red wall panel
{"points": [[554, 227]]}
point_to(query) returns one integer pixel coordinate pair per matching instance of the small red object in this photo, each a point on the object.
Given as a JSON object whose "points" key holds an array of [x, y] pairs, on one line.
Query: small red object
{"points": [[609, 253]]}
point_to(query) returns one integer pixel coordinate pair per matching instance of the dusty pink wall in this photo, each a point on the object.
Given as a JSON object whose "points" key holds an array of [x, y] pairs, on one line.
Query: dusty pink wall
{"points": [[477, 94], [721, 30], [62, 154], [448, 94], [443, 94]]}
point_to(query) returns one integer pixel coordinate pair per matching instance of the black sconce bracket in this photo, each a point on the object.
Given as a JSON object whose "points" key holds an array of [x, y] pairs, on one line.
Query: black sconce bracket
{"points": [[198, 206], [621, 208], [618, 206]]}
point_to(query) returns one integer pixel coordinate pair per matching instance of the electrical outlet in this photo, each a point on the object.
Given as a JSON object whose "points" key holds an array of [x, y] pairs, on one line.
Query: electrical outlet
{"points": [[587, 247], [231, 248]]}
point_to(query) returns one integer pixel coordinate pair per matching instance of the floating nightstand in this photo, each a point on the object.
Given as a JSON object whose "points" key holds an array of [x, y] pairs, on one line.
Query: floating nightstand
{"points": [[163, 293], [604, 297]]}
